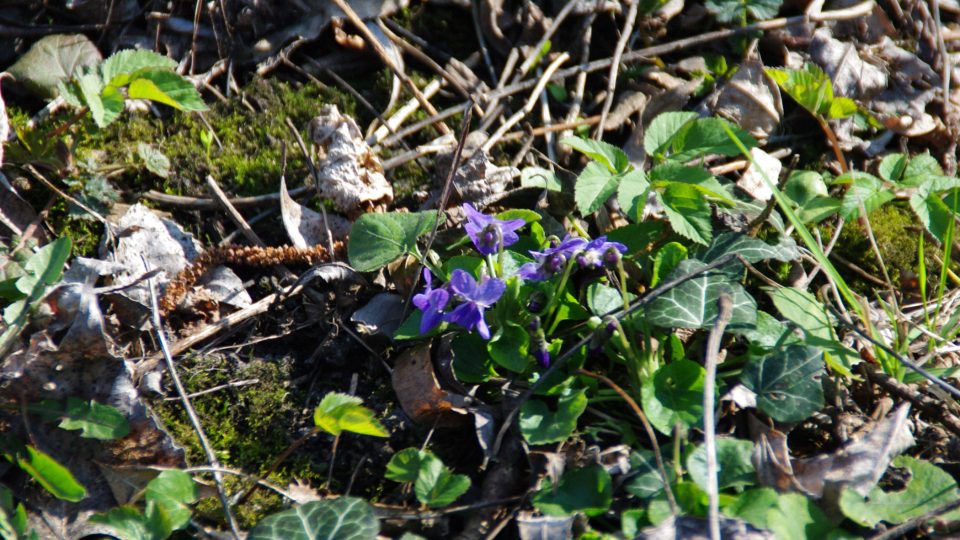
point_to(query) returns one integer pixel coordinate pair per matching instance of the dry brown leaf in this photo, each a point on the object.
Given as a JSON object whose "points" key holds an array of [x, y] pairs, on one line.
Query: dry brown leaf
{"points": [[753, 180], [751, 100], [419, 392], [306, 228], [852, 77], [350, 173]]}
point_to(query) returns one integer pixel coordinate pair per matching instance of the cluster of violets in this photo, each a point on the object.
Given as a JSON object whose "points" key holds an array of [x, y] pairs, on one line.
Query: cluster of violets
{"points": [[463, 299]]}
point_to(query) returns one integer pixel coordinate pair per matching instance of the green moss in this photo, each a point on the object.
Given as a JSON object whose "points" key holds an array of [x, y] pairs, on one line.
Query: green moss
{"points": [[248, 429], [249, 161], [897, 233]]}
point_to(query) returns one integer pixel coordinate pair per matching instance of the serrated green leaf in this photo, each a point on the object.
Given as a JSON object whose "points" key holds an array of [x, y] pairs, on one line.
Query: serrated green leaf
{"points": [[167, 87], [378, 239], [117, 69], [341, 412], [405, 465], [810, 87], [693, 303], [345, 518], [646, 481], [612, 158], [708, 136], [594, 186], [787, 382], [155, 161], [933, 213], [95, 420], [892, 167], [734, 466], [632, 193], [753, 505], [588, 490], [540, 425], [436, 486], [662, 130], [674, 394], [863, 188], [928, 488], [168, 498], [841, 107], [688, 212]]}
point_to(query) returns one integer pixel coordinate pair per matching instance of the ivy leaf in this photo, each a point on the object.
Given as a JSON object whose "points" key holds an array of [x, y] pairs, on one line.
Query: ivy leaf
{"points": [[540, 425], [378, 239], [612, 158], [674, 395], [727, 11], [688, 212], [803, 309], [693, 303], [594, 186], [752, 249], [345, 518], [733, 462], [588, 490], [928, 488], [341, 412], [787, 382]]}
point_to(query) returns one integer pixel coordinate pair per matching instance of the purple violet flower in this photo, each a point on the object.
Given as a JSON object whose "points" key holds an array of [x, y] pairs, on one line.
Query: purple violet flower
{"points": [[551, 260], [431, 302], [476, 297], [486, 232], [598, 251]]}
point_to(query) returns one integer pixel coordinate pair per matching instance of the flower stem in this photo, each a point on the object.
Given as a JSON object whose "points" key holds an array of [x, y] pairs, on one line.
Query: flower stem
{"points": [[555, 300]]}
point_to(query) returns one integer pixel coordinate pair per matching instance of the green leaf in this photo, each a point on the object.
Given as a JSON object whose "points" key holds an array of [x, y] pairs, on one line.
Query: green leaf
{"points": [[802, 187], [539, 177], [753, 505], [95, 420], [168, 496], [688, 212], [594, 186], [693, 303], [471, 361], [663, 129], [405, 465], [803, 309], [508, 347], [727, 11], [892, 167], [666, 261], [603, 299], [632, 193], [708, 136], [864, 188], [841, 107], [928, 488], [540, 425], [520, 213], [707, 184], [674, 395], [733, 462], [127, 522], [797, 518], [752, 249], [810, 87], [588, 490], [378, 239], [154, 160], [436, 486], [344, 518], [50, 474], [933, 212], [52, 60], [341, 412], [646, 481], [127, 62], [614, 159], [167, 87], [787, 382], [769, 333], [49, 261]]}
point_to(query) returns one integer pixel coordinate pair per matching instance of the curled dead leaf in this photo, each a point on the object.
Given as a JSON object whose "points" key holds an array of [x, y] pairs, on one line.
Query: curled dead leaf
{"points": [[419, 392]]}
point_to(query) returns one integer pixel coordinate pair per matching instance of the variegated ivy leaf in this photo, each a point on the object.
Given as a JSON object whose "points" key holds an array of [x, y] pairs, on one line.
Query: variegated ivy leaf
{"points": [[693, 303]]}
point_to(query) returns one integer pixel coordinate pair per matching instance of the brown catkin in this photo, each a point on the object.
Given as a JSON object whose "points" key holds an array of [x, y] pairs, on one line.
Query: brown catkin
{"points": [[246, 255]]}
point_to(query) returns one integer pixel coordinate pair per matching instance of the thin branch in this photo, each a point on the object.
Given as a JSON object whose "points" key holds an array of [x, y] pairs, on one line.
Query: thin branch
{"points": [[724, 312], [191, 413], [615, 66]]}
